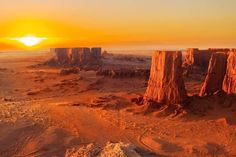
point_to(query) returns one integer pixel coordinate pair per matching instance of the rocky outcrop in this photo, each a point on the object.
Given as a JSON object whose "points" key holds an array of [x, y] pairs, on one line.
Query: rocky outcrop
{"points": [[69, 71], [76, 56], [229, 85], [166, 83], [109, 150], [215, 75], [200, 58], [124, 72]]}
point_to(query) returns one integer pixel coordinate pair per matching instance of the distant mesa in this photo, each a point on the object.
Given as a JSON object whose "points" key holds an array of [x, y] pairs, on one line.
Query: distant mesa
{"points": [[229, 85], [215, 76], [166, 84], [83, 57]]}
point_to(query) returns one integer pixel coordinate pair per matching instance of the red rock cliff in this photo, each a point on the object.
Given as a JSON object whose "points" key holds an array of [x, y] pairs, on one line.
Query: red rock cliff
{"points": [[215, 75], [166, 83], [229, 84]]}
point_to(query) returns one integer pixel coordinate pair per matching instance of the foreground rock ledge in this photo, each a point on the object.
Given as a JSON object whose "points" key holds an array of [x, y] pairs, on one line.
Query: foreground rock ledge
{"points": [[215, 75], [229, 85], [166, 83]]}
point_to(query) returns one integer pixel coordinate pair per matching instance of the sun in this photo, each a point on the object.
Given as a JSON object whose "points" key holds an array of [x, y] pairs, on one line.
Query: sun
{"points": [[30, 41]]}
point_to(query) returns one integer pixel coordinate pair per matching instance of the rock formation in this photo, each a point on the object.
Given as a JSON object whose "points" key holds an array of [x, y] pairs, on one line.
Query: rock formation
{"points": [[196, 57], [166, 83], [109, 150], [124, 72], [229, 85], [76, 56], [215, 75], [75, 59], [62, 55], [200, 58], [96, 52], [84, 56]]}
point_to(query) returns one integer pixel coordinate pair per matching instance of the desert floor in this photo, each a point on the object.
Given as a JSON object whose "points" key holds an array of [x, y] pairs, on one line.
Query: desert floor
{"points": [[43, 113]]}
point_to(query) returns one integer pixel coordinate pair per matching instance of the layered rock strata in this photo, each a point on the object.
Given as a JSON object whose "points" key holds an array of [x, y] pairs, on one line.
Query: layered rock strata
{"points": [[229, 84], [215, 75], [166, 84]]}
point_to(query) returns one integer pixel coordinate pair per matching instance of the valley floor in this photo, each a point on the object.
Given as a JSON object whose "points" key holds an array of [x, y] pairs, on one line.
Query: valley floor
{"points": [[43, 114]]}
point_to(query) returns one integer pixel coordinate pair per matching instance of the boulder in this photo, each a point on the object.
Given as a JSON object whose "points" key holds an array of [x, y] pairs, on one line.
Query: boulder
{"points": [[109, 150], [229, 84], [166, 83], [215, 75]]}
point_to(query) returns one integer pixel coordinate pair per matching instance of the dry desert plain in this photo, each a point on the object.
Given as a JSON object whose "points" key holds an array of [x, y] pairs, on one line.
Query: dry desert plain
{"points": [[48, 111]]}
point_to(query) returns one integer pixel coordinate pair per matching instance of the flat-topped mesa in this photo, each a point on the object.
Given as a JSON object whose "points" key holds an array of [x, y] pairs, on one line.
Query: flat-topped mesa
{"points": [[166, 83], [215, 75], [77, 56], [229, 85], [201, 58]]}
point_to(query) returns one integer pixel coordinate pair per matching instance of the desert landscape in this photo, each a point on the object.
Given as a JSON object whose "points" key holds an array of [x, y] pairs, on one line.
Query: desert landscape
{"points": [[124, 78], [76, 102]]}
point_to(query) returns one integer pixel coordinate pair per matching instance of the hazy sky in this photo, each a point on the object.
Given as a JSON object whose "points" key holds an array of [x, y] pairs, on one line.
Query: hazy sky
{"points": [[183, 23]]}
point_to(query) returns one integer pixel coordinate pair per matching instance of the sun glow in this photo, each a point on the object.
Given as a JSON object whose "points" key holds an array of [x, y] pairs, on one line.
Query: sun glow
{"points": [[30, 41]]}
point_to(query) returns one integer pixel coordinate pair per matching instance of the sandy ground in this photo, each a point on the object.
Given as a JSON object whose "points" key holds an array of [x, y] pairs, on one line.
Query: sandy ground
{"points": [[43, 114]]}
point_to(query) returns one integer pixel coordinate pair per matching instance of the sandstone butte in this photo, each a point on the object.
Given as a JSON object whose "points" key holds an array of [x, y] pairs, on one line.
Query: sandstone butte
{"points": [[200, 58], [166, 84], [229, 84], [215, 76]]}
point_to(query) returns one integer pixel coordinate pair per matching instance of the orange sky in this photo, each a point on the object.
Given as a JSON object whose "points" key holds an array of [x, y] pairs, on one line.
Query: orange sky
{"points": [[127, 23]]}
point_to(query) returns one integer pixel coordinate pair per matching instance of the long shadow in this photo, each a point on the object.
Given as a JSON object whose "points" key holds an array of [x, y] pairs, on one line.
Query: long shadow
{"points": [[212, 107]]}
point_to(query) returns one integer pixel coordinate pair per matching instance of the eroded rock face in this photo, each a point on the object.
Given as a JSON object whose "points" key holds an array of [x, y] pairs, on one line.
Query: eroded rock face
{"points": [[215, 75], [166, 83], [201, 58], [229, 85], [196, 57], [96, 52], [75, 59], [76, 56], [84, 55], [62, 55]]}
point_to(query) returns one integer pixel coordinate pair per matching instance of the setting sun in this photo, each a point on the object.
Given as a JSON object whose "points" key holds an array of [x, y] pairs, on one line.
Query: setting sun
{"points": [[30, 41]]}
